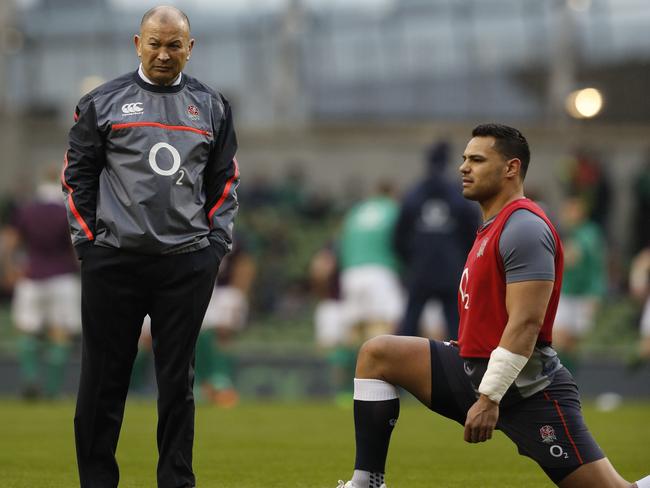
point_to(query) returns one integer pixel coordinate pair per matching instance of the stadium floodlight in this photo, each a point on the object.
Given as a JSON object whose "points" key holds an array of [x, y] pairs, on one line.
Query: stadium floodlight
{"points": [[585, 103]]}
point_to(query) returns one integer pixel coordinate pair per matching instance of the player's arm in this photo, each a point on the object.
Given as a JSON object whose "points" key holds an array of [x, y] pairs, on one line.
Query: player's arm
{"points": [[221, 181], [639, 275], [526, 303], [10, 239], [83, 163]]}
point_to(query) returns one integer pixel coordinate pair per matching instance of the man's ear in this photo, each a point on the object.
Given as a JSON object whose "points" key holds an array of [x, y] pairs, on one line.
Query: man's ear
{"points": [[513, 167], [136, 41], [190, 49]]}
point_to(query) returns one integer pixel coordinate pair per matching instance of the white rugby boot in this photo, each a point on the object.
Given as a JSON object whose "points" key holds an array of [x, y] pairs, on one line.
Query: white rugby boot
{"points": [[350, 484]]}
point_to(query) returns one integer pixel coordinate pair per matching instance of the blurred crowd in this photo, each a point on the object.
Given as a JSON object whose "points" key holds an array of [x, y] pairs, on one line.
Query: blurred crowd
{"points": [[353, 265]]}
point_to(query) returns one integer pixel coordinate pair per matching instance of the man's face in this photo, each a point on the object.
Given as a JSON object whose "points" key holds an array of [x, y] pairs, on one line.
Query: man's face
{"points": [[484, 170], [163, 47]]}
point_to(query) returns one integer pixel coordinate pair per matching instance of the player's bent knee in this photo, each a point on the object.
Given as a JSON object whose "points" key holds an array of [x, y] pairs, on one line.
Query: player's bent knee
{"points": [[373, 357]]}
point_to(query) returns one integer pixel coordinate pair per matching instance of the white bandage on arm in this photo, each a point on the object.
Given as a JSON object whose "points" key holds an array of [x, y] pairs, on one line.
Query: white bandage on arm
{"points": [[504, 366]]}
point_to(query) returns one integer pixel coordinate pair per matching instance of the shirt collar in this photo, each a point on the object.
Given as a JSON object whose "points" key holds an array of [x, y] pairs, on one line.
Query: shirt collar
{"points": [[177, 81]]}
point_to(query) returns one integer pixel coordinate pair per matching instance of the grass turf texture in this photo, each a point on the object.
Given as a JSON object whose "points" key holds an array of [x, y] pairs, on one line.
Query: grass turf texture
{"points": [[260, 445]]}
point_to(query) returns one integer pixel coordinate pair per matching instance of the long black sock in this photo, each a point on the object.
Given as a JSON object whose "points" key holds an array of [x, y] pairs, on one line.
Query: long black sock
{"points": [[373, 424]]}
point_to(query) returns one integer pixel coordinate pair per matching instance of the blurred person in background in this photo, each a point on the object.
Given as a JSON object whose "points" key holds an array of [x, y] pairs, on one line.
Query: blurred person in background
{"points": [[150, 178], [641, 207], [502, 373], [225, 317], [585, 177], [331, 328], [434, 231], [324, 278], [640, 289], [8, 269], [370, 287], [21, 189], [585, 279], [46, 300]]}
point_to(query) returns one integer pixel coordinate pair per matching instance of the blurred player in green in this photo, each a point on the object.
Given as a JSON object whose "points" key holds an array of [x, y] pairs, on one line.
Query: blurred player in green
{"points": [[370, 287], [585, 279]]}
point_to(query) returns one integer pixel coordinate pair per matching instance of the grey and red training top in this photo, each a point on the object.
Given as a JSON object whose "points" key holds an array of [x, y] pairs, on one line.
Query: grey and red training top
{"points": [[151, 169]]}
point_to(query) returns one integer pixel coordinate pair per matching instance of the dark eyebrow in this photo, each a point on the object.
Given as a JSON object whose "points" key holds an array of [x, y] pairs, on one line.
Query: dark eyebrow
{"points": [[173, 41], [474, 157]]}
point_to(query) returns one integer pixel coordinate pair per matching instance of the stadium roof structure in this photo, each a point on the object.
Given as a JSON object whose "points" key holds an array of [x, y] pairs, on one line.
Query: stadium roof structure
{"points": [[410, 59]]}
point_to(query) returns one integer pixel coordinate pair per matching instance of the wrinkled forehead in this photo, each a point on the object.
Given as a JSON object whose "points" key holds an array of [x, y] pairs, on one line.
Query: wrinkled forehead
{"points": [[165, 27]]}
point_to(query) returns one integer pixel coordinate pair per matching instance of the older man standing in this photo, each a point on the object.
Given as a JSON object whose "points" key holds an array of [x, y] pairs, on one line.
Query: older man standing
{"points": [[150, 179]]}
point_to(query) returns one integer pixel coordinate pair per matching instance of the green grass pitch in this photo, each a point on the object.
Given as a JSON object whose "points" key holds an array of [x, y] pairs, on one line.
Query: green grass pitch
{"points": [[267, 445]]}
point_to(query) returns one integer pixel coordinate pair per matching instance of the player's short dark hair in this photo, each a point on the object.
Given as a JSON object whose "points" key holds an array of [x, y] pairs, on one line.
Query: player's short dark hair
{"points": [[509, 142], [154, 10]]}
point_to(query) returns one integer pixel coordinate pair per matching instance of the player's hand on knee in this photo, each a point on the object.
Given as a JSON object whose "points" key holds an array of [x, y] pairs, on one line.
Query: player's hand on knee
{"points": [[481, 420]]}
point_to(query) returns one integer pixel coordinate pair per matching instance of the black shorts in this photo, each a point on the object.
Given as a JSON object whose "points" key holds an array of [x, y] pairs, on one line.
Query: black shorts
{"points": [[547, 427]]}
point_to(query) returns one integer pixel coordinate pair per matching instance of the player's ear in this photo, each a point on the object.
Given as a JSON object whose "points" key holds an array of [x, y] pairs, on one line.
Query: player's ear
{"points": [[513, 167], [190, 46], [136, 41]]}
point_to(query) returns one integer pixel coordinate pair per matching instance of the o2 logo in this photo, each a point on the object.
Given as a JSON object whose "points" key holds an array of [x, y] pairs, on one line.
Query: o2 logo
{"points": [[176, 161], [462, 288], [557, 452]]}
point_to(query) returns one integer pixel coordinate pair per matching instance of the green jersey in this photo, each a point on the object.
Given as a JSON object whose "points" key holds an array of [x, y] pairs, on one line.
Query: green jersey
{"points": [[367, 234], [585, 274]]}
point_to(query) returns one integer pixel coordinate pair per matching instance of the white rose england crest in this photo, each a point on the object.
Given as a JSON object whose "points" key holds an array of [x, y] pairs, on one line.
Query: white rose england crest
{"points": [[548, 434], [481, 249], [193, 112]]}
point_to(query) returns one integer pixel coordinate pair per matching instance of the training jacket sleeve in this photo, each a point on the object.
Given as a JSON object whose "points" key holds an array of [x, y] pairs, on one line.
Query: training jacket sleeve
{"points": [[83, 163], [221, 181]]}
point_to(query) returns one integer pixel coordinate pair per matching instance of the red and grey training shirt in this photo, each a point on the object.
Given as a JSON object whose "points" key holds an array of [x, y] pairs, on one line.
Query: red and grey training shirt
{"points": [[491, 265], [152, 169]]}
